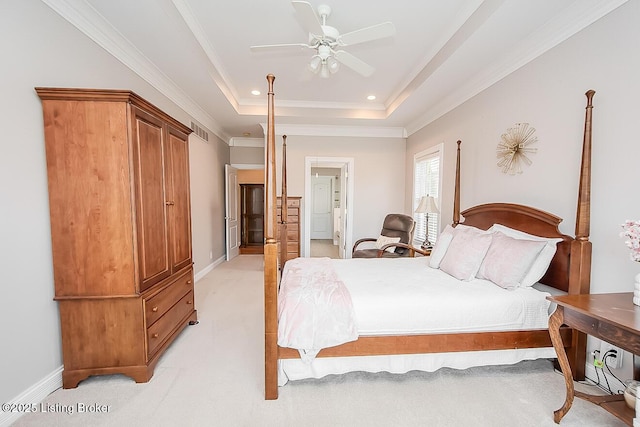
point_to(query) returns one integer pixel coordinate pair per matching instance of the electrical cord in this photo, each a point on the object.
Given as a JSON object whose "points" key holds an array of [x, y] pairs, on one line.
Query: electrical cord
{"points": [[597, 382], [609, 354]]}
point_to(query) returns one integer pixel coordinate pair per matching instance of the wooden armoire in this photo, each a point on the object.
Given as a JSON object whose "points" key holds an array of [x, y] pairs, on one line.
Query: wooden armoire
{"points": [[118, 176]]}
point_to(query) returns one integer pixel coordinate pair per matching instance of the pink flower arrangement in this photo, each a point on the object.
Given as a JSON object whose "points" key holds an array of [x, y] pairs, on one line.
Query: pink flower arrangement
{"points": [[632, 233]]}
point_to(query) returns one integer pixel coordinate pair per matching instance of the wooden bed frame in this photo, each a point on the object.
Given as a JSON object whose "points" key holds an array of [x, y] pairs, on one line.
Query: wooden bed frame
{"points": [[569, 271]]}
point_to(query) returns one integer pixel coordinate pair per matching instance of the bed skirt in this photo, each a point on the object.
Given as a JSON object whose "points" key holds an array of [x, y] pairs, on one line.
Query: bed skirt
{"points": [[296, 369]]}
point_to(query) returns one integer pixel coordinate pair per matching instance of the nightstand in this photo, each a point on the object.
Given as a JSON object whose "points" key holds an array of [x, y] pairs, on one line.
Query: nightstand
{"points": [[610, 317]]}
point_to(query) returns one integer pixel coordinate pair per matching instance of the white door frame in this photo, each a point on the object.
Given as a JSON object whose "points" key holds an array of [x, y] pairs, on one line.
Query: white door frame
{"points": [[232, 211], [346, 164]]}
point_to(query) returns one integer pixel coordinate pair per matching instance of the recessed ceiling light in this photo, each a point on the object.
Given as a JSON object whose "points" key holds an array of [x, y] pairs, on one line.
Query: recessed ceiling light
{"points": [[255, 92], [371, 97]]}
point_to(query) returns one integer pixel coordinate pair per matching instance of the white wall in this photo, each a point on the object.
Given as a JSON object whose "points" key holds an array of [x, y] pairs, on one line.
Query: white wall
{"points": [[378, 178], [549, 94], [206, 162], [39, 48]]}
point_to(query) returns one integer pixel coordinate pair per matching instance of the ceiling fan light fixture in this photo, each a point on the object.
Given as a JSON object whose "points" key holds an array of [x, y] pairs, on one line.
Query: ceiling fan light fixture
{"points": [[324, 70], [324, 39], [315, 63], [333, 65]]}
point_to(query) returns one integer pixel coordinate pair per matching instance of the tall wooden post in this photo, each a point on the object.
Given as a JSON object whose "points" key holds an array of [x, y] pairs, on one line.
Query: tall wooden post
{"points": [[580, 262], [283, 206], [270, 257], [456, 191]]}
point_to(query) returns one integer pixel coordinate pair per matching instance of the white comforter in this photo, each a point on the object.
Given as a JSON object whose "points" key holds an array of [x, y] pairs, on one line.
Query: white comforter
{"points": [[326, 302], [405, 296]]}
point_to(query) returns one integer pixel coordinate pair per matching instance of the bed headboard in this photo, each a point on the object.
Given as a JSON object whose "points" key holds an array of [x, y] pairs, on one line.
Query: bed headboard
{"points": [[532, 221], [570, 269]]}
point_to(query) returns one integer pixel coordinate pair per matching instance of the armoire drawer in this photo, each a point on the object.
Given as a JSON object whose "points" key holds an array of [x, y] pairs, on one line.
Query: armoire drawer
{"points": [[158, 304], [160, 330]]}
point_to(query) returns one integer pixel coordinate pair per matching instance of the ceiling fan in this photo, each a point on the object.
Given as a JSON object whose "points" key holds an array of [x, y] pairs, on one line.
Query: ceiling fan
{"points": [[327, 41]]}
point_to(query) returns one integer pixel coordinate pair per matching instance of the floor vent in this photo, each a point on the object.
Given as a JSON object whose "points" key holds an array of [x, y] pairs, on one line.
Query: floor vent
{"points": [[199, 131]]}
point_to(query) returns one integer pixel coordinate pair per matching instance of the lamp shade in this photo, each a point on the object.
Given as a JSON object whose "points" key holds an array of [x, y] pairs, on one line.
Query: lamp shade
{"points": [[427, 205], [315, 63]]}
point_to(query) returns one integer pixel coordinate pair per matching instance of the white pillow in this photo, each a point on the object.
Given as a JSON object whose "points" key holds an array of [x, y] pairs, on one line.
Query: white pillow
{"points": [[442, 244], [508, 260], [465, 253], [384, 240], [541, 263]]}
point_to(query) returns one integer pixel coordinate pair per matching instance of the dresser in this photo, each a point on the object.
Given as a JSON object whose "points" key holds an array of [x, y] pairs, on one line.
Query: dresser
{"points": [[293, 225], [118, 178]]}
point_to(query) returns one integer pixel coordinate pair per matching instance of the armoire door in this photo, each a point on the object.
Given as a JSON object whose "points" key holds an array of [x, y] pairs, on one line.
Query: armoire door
{"points": [[148, 138], [178, 203]]}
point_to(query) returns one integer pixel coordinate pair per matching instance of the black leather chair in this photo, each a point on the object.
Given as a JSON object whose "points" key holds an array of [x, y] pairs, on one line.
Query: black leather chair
{"points": [[395, 225]]}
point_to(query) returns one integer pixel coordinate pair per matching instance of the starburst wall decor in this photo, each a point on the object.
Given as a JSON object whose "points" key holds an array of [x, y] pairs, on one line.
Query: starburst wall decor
{"points": [[514, 147]]}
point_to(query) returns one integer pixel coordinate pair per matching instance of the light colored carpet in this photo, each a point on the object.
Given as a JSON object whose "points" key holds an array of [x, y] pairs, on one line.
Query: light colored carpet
{"points": [[213, 376], [324, 248]]}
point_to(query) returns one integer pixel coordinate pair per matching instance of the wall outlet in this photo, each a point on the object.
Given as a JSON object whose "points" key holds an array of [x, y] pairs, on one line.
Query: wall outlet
{"points": [[612, 362]]}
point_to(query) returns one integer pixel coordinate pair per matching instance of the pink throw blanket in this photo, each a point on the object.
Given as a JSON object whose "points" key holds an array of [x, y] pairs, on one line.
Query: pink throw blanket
{"points": [[314, 308]]}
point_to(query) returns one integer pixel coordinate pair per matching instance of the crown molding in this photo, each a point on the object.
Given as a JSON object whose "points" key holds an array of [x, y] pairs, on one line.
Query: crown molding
{"points": [[216, 70], [572, 20], [85, 18], [246, 142], [343, 131]]}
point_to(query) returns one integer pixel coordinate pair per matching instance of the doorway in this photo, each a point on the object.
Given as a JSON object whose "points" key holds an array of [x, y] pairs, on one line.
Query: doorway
{"points": [[328, 214], [251, 218]]}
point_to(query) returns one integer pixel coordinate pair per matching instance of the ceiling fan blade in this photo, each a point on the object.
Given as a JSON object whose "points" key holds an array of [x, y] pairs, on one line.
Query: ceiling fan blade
{"points": [[374, 32], [354, 63], [287, 46], [308, 18]]}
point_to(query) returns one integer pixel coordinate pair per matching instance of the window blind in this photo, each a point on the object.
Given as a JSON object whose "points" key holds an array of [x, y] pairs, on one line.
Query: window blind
{"points": [[426, 183]]}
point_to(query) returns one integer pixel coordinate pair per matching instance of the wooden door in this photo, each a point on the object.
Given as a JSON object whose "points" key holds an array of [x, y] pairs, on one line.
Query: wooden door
{"points": [[252, 224], [178, 200], [148, 136]]}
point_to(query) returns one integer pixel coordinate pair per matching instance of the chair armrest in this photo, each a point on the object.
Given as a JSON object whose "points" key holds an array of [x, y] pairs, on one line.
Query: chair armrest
{"points": [[366, 239], [412, 249]]}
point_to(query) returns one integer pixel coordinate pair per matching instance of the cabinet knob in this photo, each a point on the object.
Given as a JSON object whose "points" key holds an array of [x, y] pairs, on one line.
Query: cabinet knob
{"points": [[188, 282], [169, 203], [154, 336], [189, 302], [154, 309]]}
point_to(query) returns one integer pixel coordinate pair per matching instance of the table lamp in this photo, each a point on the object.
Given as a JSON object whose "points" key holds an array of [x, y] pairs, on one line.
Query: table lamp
{"points": [[426, 206]]}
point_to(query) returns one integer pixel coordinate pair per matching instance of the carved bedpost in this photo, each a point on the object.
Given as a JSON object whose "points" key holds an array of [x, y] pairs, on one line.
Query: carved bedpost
{"points": [[283, 206], [456, 191], [583, 211], [270, 257], [580, 260]]}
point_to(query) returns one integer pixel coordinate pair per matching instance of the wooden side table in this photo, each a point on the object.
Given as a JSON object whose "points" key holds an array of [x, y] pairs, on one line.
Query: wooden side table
{"points": [[609, 317]]}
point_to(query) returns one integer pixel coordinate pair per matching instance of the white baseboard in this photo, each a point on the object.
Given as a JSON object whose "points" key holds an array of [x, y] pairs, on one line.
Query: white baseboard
{"points": [[33, 396], [200, 274], [39, 391]]}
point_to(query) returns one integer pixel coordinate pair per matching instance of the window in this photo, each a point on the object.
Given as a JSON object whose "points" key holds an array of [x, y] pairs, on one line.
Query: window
{"points": [[426, 182]]}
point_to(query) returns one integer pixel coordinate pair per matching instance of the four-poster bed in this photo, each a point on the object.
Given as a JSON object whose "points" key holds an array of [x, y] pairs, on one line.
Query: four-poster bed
{"points": [[569, 272]]}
